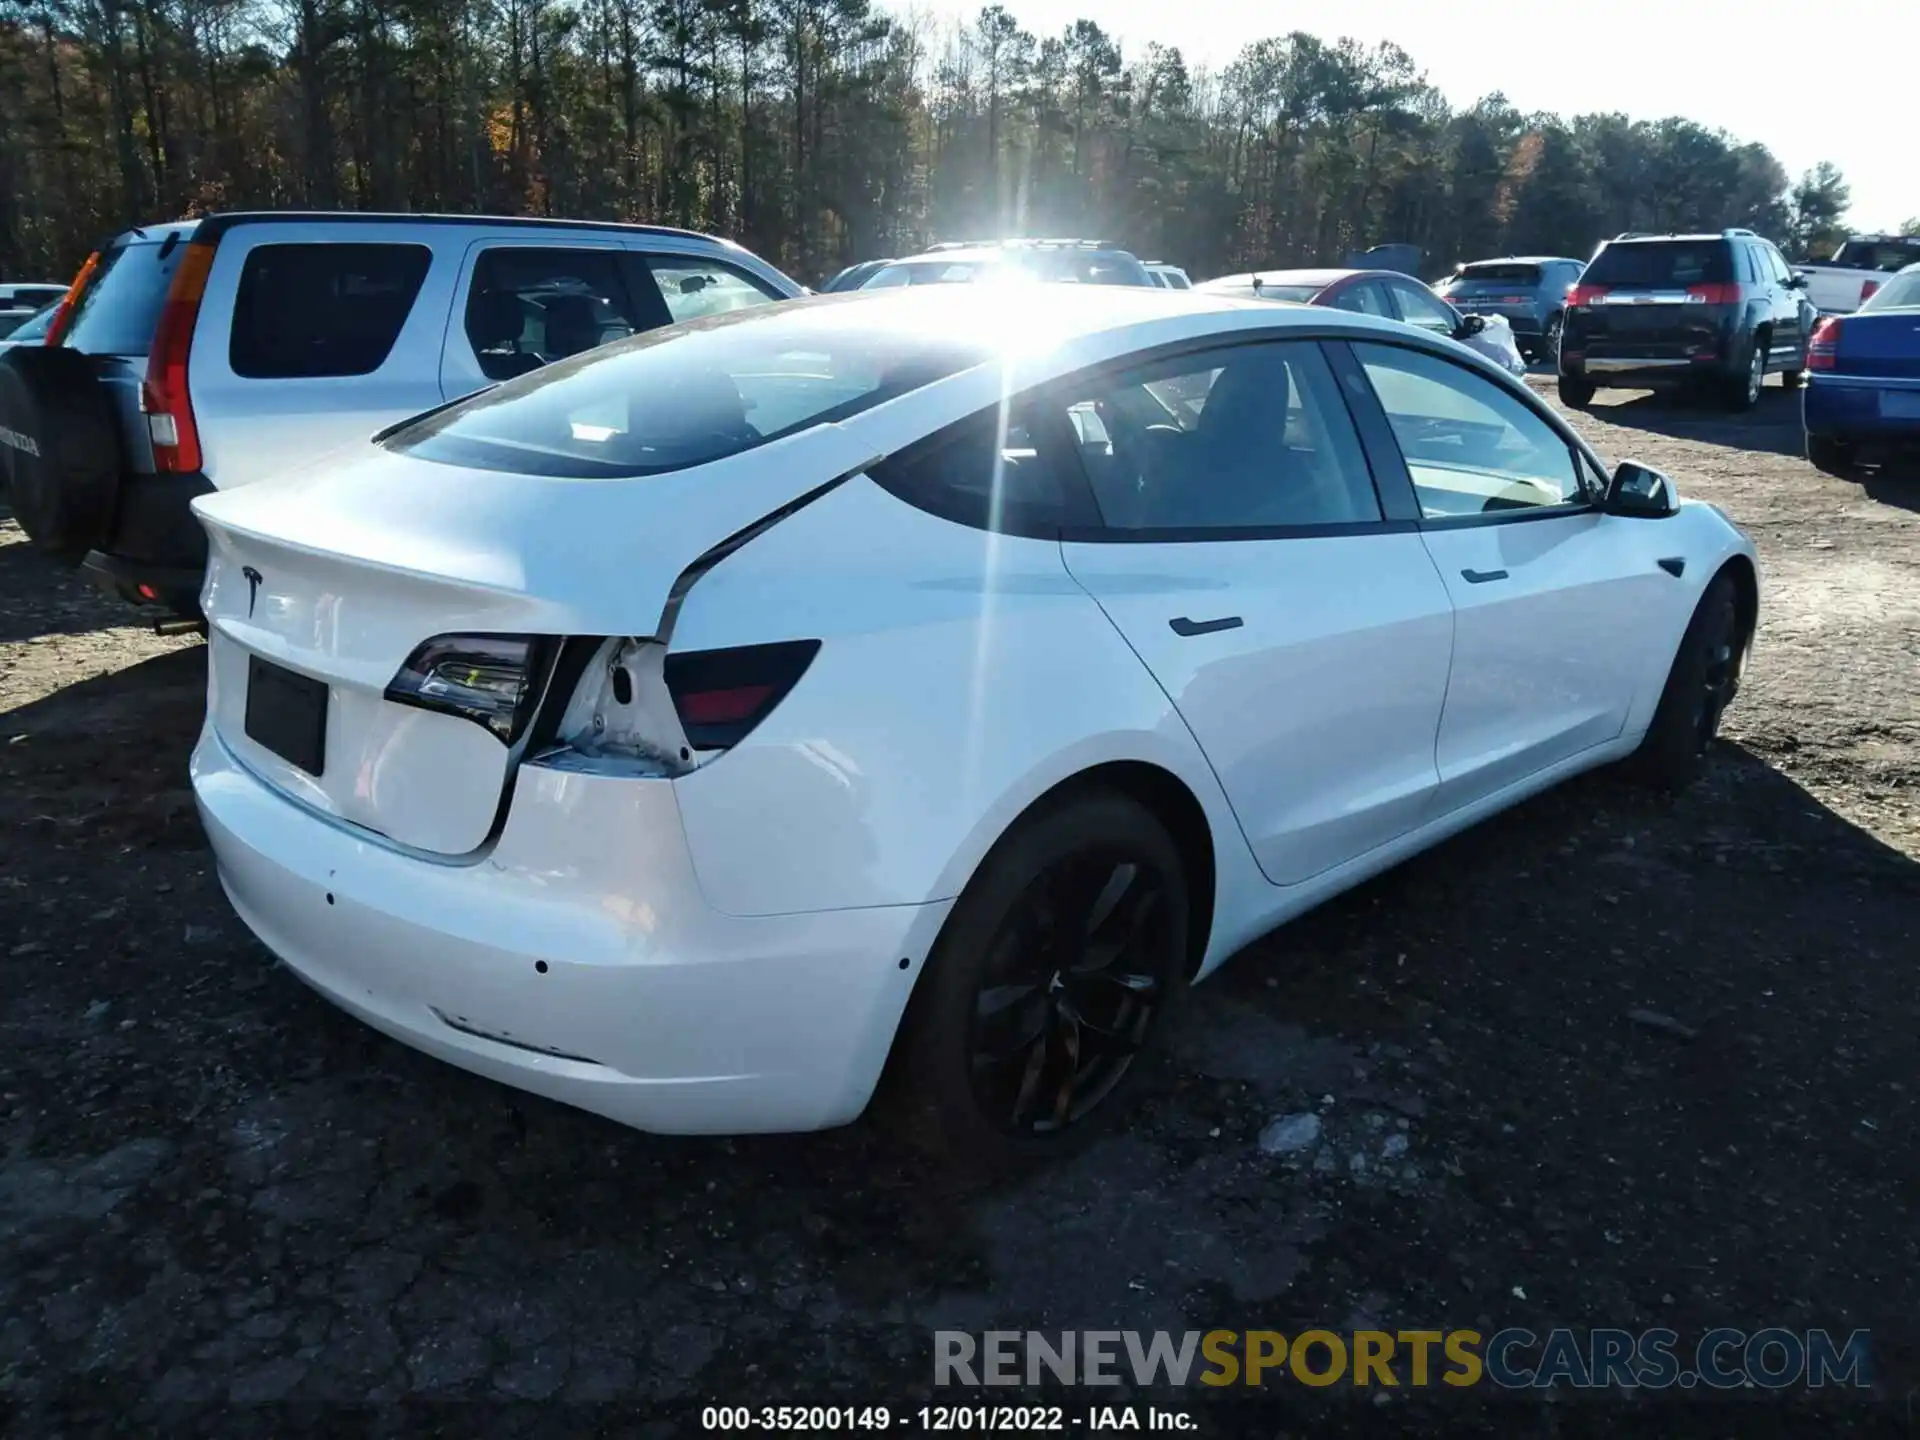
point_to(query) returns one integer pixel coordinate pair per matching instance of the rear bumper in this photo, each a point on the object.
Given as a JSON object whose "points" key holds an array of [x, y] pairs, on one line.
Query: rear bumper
{"points": [[156, 552], [1638, 371], [1850, 408], [141, 582], [579, 960]]}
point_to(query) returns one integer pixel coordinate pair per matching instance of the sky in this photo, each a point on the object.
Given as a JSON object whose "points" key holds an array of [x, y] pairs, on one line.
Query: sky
{"points": [[1831, 80]]}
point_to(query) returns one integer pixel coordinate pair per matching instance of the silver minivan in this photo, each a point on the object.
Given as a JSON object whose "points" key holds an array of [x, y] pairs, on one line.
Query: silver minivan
{"points": [[210, 353]]}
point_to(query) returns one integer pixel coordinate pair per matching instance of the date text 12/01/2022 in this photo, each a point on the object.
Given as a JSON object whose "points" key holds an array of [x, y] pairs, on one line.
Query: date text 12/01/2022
{"points": [[945, 1419]]}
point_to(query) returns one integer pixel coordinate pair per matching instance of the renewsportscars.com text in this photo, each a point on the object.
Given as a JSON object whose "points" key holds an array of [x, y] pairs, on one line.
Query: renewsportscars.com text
{"points": [[1513, 1358]]}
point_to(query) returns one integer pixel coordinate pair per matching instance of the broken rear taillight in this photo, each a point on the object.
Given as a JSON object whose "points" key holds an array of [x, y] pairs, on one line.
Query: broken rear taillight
{"points": [[638, 704]]}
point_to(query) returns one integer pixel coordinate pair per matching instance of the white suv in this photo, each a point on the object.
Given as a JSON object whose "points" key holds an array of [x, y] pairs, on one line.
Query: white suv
{"points": [[209, 353]]}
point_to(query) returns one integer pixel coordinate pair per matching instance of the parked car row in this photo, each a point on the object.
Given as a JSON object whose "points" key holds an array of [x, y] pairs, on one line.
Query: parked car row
{"points": [[535, 739]]}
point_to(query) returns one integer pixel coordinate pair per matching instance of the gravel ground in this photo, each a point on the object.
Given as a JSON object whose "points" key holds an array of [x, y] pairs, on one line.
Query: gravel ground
{"points": [[218, 1194]]}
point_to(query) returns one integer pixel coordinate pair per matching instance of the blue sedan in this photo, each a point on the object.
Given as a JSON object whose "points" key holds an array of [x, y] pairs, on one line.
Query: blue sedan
{"points": [[1862, 396]]}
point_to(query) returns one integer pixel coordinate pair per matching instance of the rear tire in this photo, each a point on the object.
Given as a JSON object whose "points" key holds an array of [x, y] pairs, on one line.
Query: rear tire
{"points": [[1702, 683], [1549, 347], [1830, 456], [969, 1083], [1741, 390], [1576, 392]]}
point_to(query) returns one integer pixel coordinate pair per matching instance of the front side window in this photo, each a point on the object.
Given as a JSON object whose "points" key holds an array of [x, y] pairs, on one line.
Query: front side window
{"points": [[529, 307], [1248, 438], [694, 287], [684, 395], [1418, 307], [322, 311], [1471, 447]]}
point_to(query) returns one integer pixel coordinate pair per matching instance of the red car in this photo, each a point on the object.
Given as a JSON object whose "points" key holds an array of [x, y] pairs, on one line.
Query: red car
{"points": [[1385, 293]]}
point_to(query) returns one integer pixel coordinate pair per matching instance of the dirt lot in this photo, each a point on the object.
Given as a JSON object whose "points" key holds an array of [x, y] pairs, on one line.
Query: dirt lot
{"points": [[216, 1192]]}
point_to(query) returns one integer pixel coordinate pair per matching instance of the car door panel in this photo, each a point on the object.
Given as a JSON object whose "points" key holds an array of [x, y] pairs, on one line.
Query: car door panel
{"points": [[1304, 640], [1553, 602], [1318, 710], [1552, 616]]}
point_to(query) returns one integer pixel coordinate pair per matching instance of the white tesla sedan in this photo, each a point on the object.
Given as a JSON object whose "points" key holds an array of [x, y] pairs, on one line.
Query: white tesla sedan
{"points": [[687, 729]]}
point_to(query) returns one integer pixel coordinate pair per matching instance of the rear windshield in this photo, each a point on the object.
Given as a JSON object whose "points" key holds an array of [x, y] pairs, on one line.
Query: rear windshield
{"points": [[685, 395], [121, 305], [1662, 263], [931, 272], [1512, 274], [1901, 290], [1084, 267], [1887, 255]]}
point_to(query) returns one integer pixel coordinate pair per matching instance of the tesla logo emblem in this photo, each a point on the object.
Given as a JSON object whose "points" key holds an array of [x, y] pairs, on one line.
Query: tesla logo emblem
{"points": [[253, 587]]}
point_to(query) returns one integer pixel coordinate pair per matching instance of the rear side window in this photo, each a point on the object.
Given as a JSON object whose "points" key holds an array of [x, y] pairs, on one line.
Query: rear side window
{"points": [[684, 395], [1663, 264], [694, 287], [1229, 442], [528, 307], [322, 311], [120, 307]]}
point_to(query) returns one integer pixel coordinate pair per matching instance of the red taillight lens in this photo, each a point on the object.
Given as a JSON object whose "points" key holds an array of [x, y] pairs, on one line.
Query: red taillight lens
{"points": [[720, 695], [1866, 290], [1582, 294], [1823, 346], [176, 443], [1713, 294], [62, 317]]}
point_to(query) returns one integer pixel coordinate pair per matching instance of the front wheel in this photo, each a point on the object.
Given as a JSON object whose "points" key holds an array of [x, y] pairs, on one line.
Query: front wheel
{"points": [[1549, 348], [1702, 683], [1055, 971], [1576, 392]]}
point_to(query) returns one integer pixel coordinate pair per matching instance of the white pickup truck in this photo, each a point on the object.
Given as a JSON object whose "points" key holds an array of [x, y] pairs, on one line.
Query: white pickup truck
{"points": [[1858, 268]]}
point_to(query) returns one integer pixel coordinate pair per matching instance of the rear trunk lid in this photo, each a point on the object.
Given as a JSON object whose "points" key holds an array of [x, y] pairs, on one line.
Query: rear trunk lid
{"points": [[320, 586], [1884, 343]]}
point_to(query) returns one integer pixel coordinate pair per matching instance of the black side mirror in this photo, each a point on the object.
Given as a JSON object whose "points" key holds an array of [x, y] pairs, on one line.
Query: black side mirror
{"points": [[693, 284], [1641, 492], [1797, 280], [1470, 325]]}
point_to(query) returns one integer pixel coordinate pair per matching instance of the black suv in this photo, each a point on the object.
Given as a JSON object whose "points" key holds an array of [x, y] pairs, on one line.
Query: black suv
{"points": [[1720, 310]]}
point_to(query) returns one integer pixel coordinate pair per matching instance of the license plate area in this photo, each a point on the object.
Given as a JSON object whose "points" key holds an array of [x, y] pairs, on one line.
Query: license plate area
{"points": [[1900, 404], [287, 714]]}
